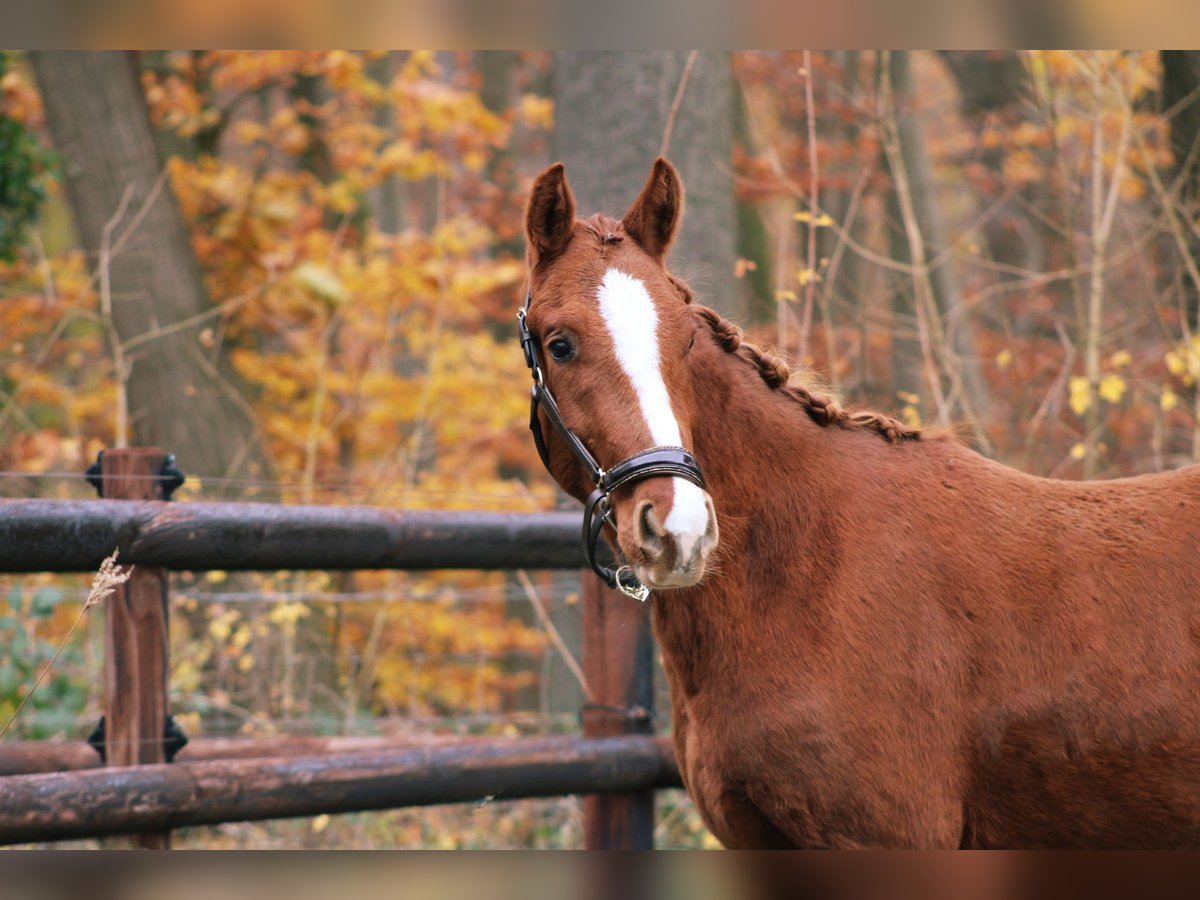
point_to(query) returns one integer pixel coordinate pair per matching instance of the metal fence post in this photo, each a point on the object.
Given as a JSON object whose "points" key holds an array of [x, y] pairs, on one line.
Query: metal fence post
{"points": [[618, 663], [136, 665]]}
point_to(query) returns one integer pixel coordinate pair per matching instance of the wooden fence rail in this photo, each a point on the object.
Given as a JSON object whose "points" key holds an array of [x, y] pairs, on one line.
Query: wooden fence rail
{"points": [[75, 535], [154, 798], [139, 794]]}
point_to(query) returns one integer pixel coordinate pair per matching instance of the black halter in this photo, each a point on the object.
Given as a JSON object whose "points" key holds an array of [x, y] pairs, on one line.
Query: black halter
{"points": [[598, 508]]}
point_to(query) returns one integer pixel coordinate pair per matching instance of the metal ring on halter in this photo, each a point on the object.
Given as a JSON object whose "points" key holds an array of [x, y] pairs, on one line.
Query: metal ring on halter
{"points": [[640, 592]]}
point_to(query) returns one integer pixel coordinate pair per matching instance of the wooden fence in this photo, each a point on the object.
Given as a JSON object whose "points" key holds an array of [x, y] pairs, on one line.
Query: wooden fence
{"points": [[54, 791]]}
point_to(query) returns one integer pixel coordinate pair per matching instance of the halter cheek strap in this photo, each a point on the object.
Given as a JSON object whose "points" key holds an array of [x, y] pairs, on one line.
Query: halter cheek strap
{"points": [[598, 510]]}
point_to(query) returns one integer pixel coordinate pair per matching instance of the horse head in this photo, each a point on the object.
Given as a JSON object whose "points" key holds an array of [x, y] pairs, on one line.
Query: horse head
{"points": [[612, 336]]}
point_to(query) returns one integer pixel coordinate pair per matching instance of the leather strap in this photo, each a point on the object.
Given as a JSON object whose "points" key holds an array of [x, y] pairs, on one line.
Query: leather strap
{"points": [[542, 396], [655, 461]]}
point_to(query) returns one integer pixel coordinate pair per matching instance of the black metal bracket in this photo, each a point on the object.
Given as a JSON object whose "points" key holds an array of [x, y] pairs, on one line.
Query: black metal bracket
{"points": [[174, 739], [94, 478], [170, 476]]}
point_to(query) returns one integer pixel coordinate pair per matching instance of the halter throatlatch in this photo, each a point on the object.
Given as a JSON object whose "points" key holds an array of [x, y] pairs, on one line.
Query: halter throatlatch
{"points": [[598, 510]]}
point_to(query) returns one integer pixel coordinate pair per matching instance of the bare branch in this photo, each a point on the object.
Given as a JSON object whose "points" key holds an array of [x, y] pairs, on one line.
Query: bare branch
{"points": [[675, 104], [553, 633]]}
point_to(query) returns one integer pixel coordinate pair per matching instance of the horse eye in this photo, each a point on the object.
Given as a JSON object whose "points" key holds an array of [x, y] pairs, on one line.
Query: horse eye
{"points": [[691, 344], [561, 349]]}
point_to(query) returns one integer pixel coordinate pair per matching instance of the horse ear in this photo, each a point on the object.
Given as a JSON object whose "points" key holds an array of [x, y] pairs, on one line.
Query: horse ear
{"points": [[656, 213], [550, 215]]}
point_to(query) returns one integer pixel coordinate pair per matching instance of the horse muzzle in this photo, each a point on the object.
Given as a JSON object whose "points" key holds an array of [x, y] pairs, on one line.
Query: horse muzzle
{"points": [[668, 532]]}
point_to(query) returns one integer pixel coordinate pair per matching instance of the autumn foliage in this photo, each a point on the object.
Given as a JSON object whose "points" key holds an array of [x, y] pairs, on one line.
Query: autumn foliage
{"points": [[1004, 244], [356, 336]]}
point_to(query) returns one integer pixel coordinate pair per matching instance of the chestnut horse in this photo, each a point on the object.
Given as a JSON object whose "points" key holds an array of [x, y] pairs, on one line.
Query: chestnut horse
{"points": [[872, 637]]}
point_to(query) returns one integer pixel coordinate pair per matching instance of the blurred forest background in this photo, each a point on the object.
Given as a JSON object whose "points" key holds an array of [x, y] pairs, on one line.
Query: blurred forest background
{"points": [[298, 271]]}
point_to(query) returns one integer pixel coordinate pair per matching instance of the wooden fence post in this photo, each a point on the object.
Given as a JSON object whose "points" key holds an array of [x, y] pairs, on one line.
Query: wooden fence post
{"points": [[618, 663], [136, 669]]}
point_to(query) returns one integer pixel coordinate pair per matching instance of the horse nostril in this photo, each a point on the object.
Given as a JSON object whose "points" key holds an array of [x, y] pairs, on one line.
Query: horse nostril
{"points": [[649, 530]]}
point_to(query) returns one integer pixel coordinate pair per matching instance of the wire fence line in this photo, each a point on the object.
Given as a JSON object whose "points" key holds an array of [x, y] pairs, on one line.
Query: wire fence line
{"points": [[562, 588], [382, 494], [332, 726]]}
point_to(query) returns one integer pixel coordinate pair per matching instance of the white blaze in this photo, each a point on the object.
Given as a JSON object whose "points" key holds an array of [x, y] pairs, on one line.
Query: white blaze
{"points": [[632, 321]]}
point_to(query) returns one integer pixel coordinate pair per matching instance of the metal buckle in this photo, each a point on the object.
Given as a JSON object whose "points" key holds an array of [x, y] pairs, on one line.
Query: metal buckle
{"points": [[641, 592]]}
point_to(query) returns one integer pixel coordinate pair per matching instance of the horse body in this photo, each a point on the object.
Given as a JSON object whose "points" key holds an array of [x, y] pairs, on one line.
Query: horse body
{"points": [[911, 645], [895, 642]]}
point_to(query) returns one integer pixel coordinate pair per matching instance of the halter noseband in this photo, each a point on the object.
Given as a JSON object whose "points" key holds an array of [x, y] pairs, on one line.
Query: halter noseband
{"points": [[598, 509]]}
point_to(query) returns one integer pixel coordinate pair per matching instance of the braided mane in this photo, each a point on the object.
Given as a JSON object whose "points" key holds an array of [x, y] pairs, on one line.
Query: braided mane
{"points": [[776, 373]]}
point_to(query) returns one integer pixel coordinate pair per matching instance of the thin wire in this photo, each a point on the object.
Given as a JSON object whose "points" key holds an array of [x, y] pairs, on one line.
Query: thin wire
{"points": [[326, 486], [562, 587], [359, 728], [219, 480]]}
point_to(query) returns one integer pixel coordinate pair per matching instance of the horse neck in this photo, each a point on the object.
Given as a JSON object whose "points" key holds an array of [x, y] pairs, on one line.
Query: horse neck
{"points": [[768, 469]]}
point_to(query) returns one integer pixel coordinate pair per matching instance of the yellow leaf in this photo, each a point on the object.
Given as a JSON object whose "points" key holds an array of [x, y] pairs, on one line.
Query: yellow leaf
{"points": [[911, 416], [910, 398], [1175, 363], [320, 823], [1111, 388], [321, 281], [216, 576], [219, 629], [245, 663], [288, 614], [241, 637], [1080, 394], [537, 112], [1120, 359], [1004, 358], [248, 131], [1078, 451], [821, 221], [786, 295], [1169, 400]]}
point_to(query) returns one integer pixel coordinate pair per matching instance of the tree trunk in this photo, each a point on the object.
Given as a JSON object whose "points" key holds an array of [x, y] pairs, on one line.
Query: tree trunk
{"points": [[959, 328], [1180, 84], [498, 91], [611, 109], [1180, 79], [753, 241], [180, 397], [992, 89]]}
